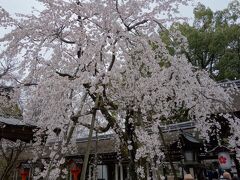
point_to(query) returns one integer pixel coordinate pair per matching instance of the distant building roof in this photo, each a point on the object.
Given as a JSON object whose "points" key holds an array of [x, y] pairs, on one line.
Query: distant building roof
{"points": [[10, 120], [228, 83], [9, 106]]}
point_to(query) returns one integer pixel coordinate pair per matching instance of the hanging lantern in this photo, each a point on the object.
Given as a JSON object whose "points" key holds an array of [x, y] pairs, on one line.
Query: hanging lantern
{"points": [[24, 173], [224, 160], [75, 170]]}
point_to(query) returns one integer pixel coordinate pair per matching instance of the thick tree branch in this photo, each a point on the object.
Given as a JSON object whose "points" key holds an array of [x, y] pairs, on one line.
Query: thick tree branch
{"points": [[120, 16], [58, 34], [137, 24], [70, 77], [67, 41], [113, 56], [5, 71]]}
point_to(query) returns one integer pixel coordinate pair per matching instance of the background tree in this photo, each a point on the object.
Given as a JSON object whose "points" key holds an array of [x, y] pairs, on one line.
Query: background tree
{"points": [[105, 59], [214, 41], [9, 153]]}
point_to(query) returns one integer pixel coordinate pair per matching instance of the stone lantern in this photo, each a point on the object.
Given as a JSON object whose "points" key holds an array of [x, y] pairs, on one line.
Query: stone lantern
{"points": [[190, 150]]}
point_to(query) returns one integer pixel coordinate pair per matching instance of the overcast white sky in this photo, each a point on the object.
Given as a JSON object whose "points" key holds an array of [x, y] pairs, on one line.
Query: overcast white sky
{"points": [[24, 6], [213, 4]]}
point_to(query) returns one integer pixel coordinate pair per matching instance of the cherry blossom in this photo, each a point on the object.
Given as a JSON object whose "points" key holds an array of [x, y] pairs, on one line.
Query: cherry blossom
{"points": [[77, 60]]}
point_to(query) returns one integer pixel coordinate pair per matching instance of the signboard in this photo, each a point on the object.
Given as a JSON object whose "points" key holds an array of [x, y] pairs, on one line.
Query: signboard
{"points": [[26, 165], [238, 153], [78, 161], [224, 160]]}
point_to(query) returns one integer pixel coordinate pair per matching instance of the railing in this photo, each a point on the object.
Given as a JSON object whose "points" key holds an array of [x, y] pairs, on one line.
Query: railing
{"points": [[11, 121], [166, 128], [178, 126], [227, 84], [100, 137]]}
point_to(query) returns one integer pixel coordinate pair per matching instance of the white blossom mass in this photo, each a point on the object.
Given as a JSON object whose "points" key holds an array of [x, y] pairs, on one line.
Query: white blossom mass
{"points": [[102, 65]]}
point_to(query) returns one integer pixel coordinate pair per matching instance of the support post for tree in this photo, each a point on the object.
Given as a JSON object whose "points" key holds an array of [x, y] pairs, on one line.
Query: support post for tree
{"points": [[167, 153], [69, 134], [96, 158], [72, 128], [121, 171], [86, 157]]}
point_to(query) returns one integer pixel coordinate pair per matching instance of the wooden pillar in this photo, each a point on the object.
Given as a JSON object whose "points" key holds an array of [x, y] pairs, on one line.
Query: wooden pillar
{"points": [[128, 174], [121, 172], [116, 171], [15, 175], [89, 172], [154, 174], [147, 169]]}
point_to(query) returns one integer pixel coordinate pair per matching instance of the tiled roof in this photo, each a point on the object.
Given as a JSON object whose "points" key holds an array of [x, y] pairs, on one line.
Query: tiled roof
{"points": [[10, 120]]}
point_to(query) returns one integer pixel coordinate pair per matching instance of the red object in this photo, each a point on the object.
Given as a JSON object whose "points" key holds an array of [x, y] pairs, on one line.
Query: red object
{"points": [[24, 174], [75, 172], [222, 160]]}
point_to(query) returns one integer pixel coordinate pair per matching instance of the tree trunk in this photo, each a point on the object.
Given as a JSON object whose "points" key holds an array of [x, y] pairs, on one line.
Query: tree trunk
{"points": [[132, 167], [131, 152]]}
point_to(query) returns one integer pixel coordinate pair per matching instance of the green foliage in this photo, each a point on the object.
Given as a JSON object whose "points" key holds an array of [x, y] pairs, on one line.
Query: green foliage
{"points": [[214, 40]]}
